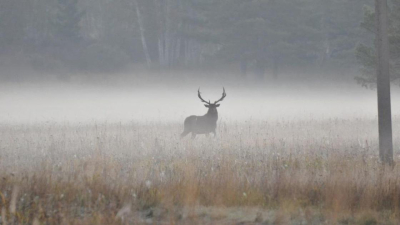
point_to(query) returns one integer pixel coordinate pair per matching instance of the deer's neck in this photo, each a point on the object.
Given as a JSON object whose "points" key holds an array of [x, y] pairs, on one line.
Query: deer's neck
{"points": [[212, 114]]}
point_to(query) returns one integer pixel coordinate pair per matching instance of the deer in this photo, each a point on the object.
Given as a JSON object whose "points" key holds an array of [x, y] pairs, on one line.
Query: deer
{"points": [[203, 124]]}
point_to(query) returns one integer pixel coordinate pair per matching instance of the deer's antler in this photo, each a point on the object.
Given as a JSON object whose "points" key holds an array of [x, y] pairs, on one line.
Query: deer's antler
{"points": [[198, 91], [223, 96]]}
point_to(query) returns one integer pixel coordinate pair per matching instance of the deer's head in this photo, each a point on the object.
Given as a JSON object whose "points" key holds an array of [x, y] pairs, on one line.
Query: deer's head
{"points": [[212, 107]]}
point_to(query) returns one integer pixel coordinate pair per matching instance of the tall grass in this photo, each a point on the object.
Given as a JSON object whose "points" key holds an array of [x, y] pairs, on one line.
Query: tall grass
{"points": [[312, 170]]}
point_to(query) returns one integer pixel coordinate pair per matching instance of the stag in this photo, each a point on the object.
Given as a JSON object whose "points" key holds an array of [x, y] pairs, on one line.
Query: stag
{"points": [[203, 124]]}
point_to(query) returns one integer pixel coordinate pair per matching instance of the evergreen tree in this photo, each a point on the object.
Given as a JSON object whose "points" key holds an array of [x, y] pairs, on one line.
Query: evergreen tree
{"points": [[263, 32], [67, 22], [338, 22], [365, 52], [12, 23]]}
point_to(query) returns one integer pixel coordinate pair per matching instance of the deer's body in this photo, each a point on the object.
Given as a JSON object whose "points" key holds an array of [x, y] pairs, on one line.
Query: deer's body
{"points": [[200, 124], [203, 124]]}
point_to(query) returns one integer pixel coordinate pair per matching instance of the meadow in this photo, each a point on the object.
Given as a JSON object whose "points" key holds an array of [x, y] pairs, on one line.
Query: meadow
{"points": [[304, 171]]}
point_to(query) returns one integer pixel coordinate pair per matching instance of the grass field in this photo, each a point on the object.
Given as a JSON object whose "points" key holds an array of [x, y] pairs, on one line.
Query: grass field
{"points": [[272, 172]]}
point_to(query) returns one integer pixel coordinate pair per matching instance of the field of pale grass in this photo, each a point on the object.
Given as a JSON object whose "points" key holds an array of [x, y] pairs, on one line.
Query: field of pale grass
{"points": [[271, 172]]}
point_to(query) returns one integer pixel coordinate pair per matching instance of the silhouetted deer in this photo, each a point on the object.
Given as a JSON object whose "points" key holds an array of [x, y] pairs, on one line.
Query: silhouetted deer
{"points": [[203, 124]]}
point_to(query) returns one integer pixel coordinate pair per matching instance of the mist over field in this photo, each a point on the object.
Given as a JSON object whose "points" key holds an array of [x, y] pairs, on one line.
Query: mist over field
{"points": [[110, 153], [85, 103], [101, 121]]}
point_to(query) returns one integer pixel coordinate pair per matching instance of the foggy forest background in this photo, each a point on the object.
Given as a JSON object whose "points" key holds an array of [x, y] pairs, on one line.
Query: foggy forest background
{"points": [[261, 38], [94, 95]]}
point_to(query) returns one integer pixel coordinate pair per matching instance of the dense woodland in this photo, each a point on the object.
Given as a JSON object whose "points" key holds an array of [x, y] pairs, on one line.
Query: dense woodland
{"points": [[253, 36]]}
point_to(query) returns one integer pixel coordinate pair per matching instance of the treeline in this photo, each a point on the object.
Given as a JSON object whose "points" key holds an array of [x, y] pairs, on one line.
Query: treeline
{"points": [[254, 35], [365, 53]]}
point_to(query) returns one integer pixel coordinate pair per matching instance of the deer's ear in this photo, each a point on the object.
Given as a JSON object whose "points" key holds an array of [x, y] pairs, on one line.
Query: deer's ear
{"points": [[207, 106], [217, 105]]}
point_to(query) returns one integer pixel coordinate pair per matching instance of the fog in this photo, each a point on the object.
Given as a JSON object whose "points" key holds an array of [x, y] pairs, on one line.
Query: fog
{"points": [[258, 41], [94, 96], [73, 103]]}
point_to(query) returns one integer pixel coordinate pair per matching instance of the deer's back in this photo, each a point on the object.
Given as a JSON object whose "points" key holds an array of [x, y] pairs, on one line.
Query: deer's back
{"points": [[200, 124]]}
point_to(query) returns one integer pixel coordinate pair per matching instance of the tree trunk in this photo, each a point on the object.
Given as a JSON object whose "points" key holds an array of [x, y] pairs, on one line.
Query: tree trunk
{"points": [[275, 67], [260, 69], [383, 84], [178, 51], [187, 52], [161, 51], [141, 28], [243, 68], [167, 36]]}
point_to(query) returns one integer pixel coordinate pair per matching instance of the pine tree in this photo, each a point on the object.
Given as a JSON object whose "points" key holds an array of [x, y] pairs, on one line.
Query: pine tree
{"points": [[66, 25], [12, 23], [263, 33], [365, 52]]}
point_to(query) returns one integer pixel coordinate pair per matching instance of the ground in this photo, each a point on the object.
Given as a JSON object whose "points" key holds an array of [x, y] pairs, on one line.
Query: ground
{"points": [[306, 171]]}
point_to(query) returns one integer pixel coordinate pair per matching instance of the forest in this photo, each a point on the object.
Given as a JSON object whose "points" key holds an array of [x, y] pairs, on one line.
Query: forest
{"points": [[199, 112], [252, 36]]}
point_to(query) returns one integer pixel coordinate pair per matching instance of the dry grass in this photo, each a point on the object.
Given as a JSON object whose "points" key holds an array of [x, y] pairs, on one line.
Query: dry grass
{"points": [[278, 172]]}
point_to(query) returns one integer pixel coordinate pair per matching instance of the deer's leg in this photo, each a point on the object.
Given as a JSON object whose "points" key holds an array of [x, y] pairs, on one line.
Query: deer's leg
{"points": [[184, 133]]}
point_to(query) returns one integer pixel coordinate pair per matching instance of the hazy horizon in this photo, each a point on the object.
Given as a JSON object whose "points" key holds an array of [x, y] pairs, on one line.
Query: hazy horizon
{"points": [[167, 102]]}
